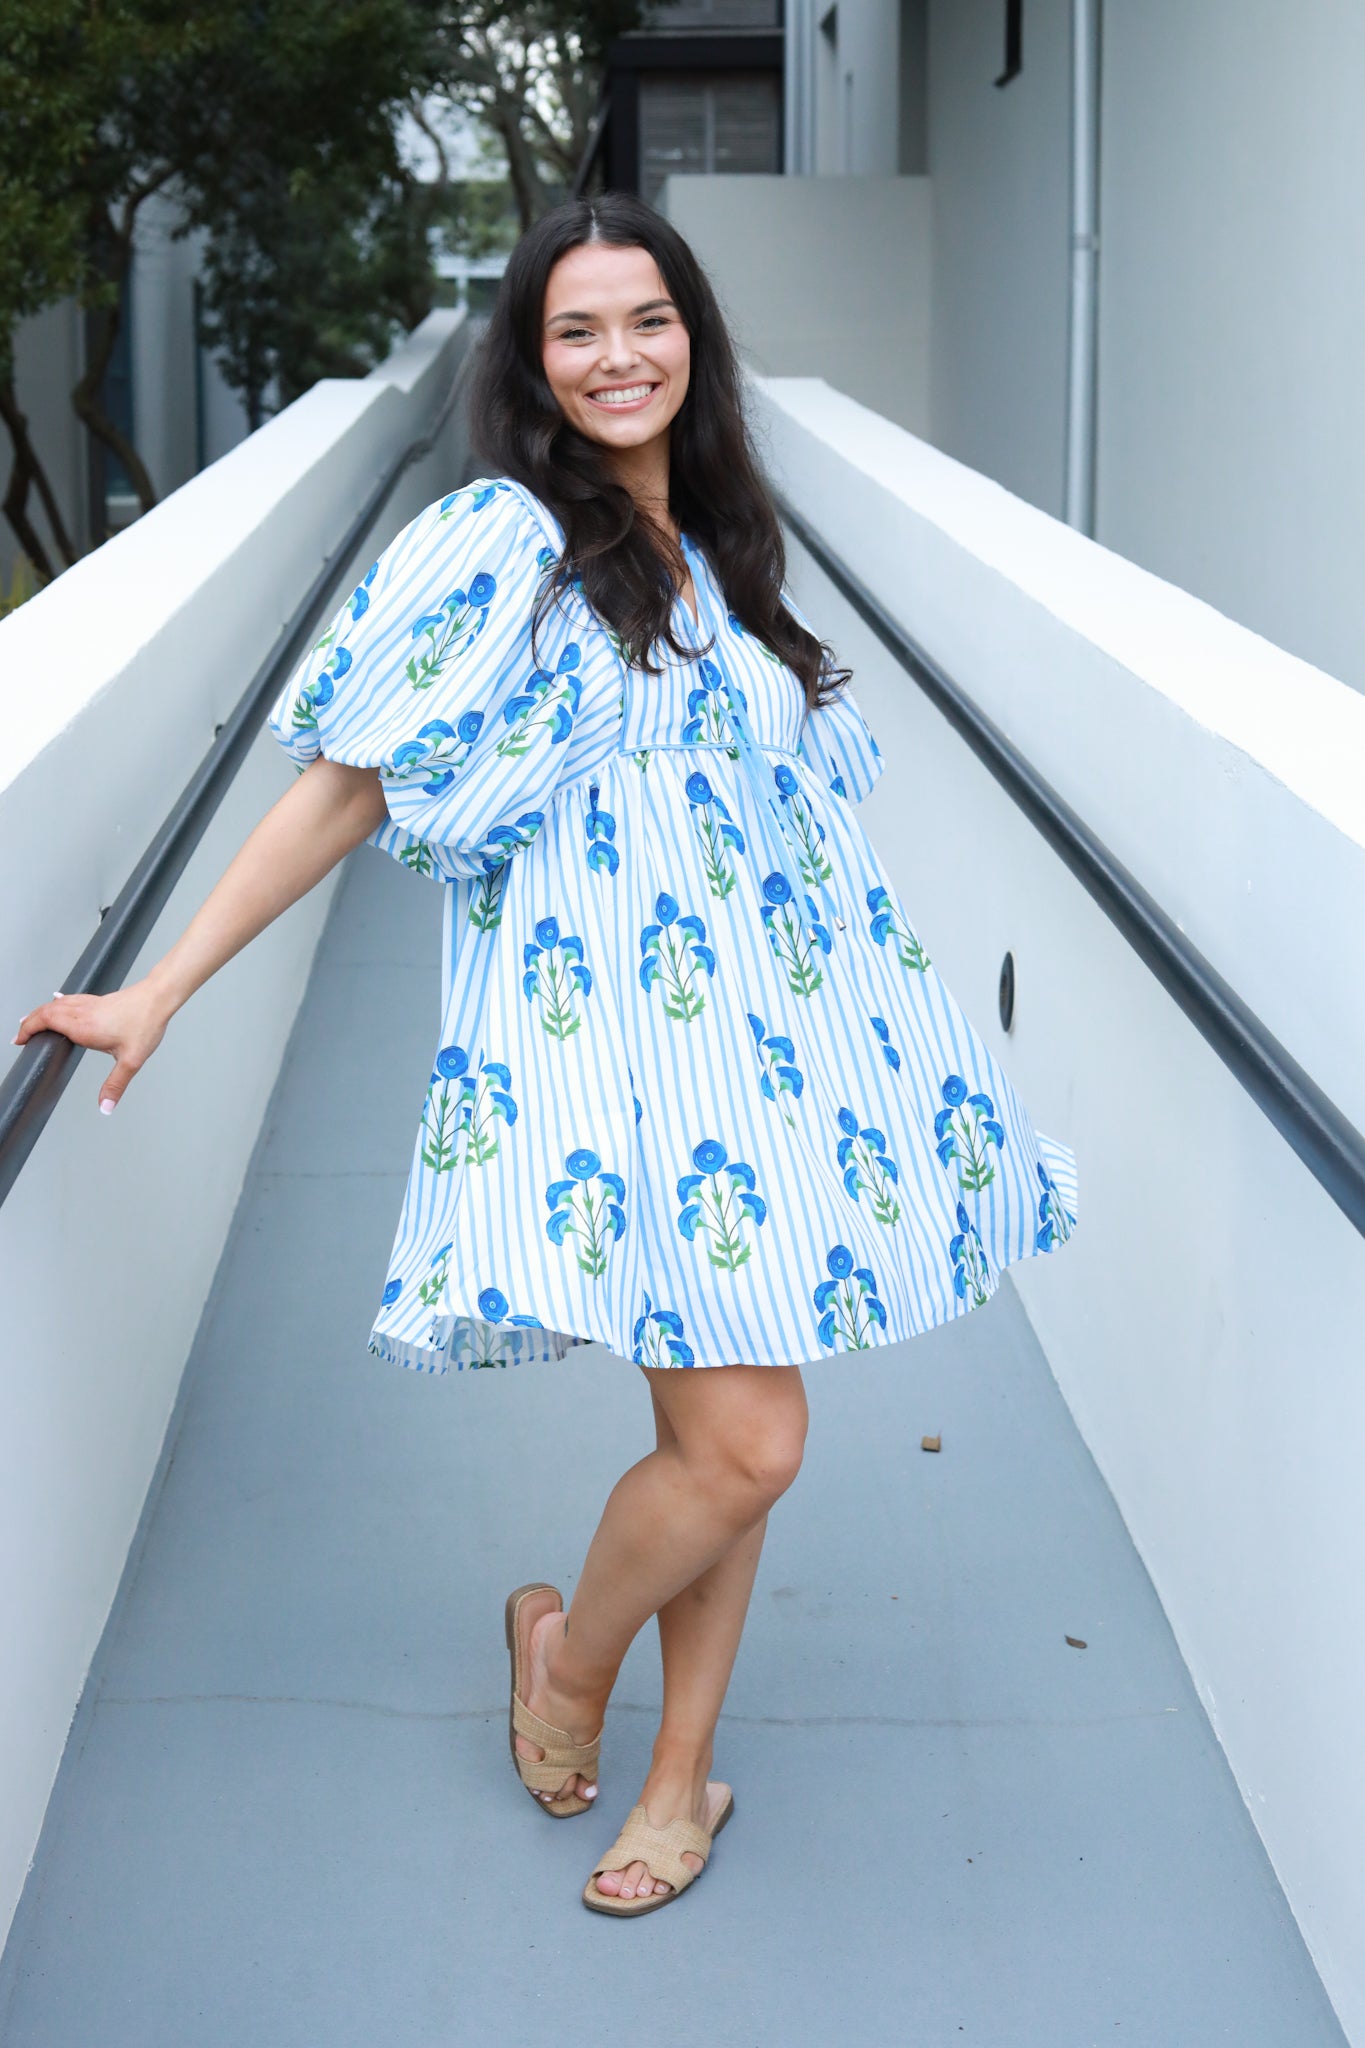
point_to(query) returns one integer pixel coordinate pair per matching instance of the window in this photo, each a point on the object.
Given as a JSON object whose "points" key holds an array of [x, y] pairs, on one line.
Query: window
{"points": [[727, 121]]}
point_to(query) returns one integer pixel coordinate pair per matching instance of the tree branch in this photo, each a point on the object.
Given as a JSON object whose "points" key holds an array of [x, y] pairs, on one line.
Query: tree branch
{"points": [[27, 469]]}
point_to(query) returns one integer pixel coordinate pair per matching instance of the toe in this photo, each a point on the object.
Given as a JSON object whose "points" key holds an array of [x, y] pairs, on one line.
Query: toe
{"points": [[586, 1788], [608, 1882], [635, 1878]]}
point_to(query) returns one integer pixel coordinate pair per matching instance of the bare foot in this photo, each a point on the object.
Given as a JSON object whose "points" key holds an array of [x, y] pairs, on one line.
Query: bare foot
{"points": [[703, 1807], [559, 1709]]}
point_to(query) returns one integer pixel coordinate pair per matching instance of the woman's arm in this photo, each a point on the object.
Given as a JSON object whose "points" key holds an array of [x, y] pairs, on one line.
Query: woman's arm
{"points": [[329, 810]]}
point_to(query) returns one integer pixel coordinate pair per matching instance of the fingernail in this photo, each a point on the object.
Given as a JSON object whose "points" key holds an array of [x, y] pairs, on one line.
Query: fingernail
{"points": [[591, 1792], [56, 993], [107, 1107]]}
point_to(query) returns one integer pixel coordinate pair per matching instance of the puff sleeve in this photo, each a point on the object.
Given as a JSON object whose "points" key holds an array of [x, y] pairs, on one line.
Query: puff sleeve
{"points": [[427, 673], [836, 740], [838, 744]]}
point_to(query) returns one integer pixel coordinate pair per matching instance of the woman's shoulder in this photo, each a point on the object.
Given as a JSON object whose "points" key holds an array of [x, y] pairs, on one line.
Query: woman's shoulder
{"points": [[491, 505]]}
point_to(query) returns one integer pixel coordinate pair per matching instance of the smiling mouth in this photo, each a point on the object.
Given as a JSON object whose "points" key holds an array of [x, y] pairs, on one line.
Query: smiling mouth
{"points": [[621, 396]]}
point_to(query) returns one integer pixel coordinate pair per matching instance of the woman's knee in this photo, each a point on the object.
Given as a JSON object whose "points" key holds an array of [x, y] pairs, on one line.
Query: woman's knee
{"points": [[753, 1449]]}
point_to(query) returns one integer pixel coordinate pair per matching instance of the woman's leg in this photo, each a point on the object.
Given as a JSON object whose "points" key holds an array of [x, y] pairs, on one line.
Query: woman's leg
{"points": [[730, 1443], [699, 1632]]}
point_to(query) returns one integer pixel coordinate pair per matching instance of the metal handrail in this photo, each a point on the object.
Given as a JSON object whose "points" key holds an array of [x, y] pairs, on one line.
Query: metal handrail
{"points": [[36, 1080], [1329, 1145]]}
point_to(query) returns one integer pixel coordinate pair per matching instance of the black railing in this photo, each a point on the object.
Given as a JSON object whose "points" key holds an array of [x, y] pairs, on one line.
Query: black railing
{"points": [[1330, 1147], [34, 1084]]}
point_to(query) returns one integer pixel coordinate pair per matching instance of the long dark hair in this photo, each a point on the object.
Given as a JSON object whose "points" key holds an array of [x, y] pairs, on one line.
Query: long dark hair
{"points": [[716, 488]]}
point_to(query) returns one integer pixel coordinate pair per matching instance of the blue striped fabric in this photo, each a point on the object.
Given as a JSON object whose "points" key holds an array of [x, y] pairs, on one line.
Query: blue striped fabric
{"points": [[677, 1106]]}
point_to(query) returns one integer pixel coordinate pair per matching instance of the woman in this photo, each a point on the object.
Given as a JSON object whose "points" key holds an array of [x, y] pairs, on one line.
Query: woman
{"points": [[699, 1094]]}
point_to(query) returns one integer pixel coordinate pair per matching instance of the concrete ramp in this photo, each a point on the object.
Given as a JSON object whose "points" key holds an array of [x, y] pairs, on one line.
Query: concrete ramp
{"points": [[287, 1818]]}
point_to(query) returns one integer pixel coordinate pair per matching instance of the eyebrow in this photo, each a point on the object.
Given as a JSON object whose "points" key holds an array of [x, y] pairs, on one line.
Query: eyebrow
{"points": [[649, 306]]}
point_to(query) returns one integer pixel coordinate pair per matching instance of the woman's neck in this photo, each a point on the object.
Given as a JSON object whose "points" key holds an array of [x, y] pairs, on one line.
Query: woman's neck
{"points": [[645, 474]]}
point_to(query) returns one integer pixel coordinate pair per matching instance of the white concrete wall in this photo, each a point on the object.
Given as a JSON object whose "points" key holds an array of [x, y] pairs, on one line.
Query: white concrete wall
{"points": [[1232, 303], [1204, 1324], [111, 683], [998, 161], [821, 276], [857, 90], [1232, 292]]}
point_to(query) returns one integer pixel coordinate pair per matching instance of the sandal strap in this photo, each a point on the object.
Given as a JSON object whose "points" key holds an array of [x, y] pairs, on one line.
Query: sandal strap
{"points": [[661, 1849], [562, 1757]]}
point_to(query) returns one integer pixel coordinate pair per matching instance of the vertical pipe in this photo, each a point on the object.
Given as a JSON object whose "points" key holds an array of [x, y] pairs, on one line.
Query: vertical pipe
{"points": [[1079, 502], [798, 56]]}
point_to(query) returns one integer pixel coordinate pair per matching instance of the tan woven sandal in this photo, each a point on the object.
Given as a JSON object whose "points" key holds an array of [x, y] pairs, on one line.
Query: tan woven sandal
{"points": [[662, 1849], [563, 1756]]}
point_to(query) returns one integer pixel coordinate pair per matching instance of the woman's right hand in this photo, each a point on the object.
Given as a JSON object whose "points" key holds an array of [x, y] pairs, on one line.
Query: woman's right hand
{"points": [[327, 812], [129, 1024]]}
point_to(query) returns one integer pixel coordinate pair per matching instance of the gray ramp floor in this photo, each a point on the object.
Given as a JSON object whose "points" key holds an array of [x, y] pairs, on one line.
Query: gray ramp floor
{"points": [[287, 1815]]}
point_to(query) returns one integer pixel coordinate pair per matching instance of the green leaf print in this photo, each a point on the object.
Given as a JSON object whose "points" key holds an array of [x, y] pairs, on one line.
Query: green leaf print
{"points": [[440, 1116], [417, 856], [431, 1289], [485, 900]]}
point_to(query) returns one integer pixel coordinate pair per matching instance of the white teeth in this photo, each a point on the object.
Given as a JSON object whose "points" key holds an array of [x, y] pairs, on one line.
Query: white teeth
{"points": [[626, 397]]}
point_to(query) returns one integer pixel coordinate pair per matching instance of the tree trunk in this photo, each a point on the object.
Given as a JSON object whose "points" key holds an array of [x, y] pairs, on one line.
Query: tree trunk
{"points": [[86, 401], [112, 251], [527, 187], [26, 469]]}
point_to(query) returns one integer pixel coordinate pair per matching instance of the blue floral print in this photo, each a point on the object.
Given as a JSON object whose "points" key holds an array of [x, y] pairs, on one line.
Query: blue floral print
{"points": [[780, 1077], [889, 1052], [720, 836], [797, 944], [462, 1111], [971, 1270], [450, 632], [675, 958], [867, 1167], [707, 719], [889, 923], [966, 1129], [808, 832], [660, 1338], [1055, 1222], [720, 1200], [603, 855], [485, 897], [557, 979], [589, 1207], [546, 704], [433, 756], [847, 1303], [679, 991]]}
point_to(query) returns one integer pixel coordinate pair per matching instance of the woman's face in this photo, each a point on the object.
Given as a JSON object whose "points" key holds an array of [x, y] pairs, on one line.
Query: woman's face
{"points": [[615, 350]]}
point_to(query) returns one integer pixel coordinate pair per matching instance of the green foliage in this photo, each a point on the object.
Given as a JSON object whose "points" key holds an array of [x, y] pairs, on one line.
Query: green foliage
{"points": [[531, 73], [320, 240], [42, 133], [23, 584]]}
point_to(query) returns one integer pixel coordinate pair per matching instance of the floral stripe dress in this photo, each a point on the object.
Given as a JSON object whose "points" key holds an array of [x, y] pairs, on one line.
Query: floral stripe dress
{"points": [[699, 1093]]}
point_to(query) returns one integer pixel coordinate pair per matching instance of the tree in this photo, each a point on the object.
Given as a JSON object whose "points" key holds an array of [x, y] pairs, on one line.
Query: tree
{"points": [[224, 106], [532, 73], [319, 239], [46, 130], [307, 278]]}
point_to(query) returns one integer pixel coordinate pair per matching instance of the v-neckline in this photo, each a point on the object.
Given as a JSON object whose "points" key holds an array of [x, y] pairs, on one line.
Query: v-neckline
{"points": [[689, 556]]}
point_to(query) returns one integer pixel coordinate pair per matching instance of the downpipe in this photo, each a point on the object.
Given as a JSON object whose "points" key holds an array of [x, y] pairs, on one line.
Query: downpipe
{"points": [[1083, 302]]}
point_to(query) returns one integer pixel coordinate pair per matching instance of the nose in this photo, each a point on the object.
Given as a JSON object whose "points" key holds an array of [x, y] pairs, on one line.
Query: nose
{"points": [[618, 351]]}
